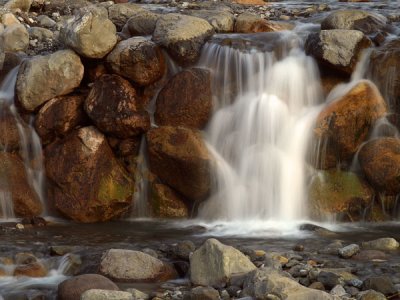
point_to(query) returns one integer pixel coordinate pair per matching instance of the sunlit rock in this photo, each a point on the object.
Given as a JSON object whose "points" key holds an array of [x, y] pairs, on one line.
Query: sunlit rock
{"points": [[250, 23]]}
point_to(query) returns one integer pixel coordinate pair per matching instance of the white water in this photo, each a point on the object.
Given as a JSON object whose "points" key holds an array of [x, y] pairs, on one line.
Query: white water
{"points": [[260, 141]]}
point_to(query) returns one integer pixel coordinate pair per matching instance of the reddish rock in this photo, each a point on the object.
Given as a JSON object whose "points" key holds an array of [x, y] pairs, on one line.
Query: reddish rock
{"points": [[60, 116], [179, 157], [86, 182], [186, 100], [115, 108], [9, 134]]}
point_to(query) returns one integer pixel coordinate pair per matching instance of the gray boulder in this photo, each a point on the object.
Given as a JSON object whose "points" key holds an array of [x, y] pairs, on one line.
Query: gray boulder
{"points": [[120, 13], [222, 21], [45, 77], [15, 38], [142, 22], [182, 36], [214, 263]]}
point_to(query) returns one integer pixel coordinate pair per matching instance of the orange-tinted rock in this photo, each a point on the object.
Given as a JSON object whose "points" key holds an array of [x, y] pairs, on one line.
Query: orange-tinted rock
{"points": [[186, 100], [86, 182], [9, 134], [34, 269], [380, 161], [114, 106], [249, 23], [166, 203], [179, 157], [346, 122]]}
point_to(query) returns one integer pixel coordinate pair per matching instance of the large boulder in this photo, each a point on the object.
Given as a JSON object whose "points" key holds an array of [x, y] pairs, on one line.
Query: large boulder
{"points": [[120, 13], [182, 36], [87, 183], [23, 5], [142, 22], [60, 116], [362, 20], [179, 157], [137, 59], [380, 161], [90, 34], [333, 192], [346, 122], [214, 263], [14, 182], [222, 21], [385, 244], [44, 77], [115, 108], [14, 38], [250, 23], [186, 100], [73, 288], [338, 48], [9, 131], [134, 266], [384, 70]]}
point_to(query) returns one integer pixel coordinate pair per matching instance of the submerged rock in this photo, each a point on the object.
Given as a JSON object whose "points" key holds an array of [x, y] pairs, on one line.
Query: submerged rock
{"points": [[214, 263], [87, 183], [34, 269]]}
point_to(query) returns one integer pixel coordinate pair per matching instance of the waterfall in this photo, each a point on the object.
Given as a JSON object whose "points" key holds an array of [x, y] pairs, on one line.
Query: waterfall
{"points": [[260, 137]]}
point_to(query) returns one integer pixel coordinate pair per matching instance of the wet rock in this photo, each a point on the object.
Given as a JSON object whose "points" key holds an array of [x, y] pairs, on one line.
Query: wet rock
{"points": [[8, 61], [97, 294], [60, 116], [339, 129], [371, 295], [182, 36], [134, 266], [34, 269], [222, 21], [166, 203], [9, 132], [337, 48], [120, 13], [23, 5], [61, 250], [137, 59], [380, 162], [381, 244], [45, 77], [349, 251], [142, 22], [333, 191], [179, 157], [204, 293], [90, 34], [250, 23], [87, 183], [114, 107], [329, 279], [214, 263], [184, 249], [24, 258], [185, 100], [381, 284], [15, 38], [73, 288], [370, 255], [14, 181], [362, 20]]}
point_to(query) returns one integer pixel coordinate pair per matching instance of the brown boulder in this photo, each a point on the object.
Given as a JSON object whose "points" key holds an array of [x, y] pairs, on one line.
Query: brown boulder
{"points": [[73, 288], [60, 116], [346, 122], [34, 269], [9, 133], [250, 23], [13, 180], [179, 157], [380, 161], [137, 59], [185, 100], [87, 183], [114, 107]]}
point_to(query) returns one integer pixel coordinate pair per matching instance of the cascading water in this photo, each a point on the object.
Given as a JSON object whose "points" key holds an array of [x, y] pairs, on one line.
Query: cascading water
{"points": [[261, 139]]}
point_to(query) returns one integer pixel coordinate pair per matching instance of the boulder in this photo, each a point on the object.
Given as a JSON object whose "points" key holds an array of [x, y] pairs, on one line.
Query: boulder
{"points": [[179, 157], [182, 36], [8, 61], [34, 269], [384, 70], [87, 183], [98, 294], [380, 161], [15, 38], [9, 132], [333, 192], [186, 100], [91, 35], [214, 263], [120, 13], [338, 48], [345, 123], [137, 59], [381, 244], [166, 203], [250, 23], [13, 180], [60, 116], [134, 266], [23, 5], [114, 106], [44, 77], [362, 20], [142, 22], [222, 21], [73, 288]]}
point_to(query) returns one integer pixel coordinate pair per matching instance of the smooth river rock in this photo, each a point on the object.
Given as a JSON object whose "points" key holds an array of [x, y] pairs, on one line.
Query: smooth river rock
{"points": [[14, 38], [142, 22], [120, 13], [214, 263], [381, 244], [98, 294]]}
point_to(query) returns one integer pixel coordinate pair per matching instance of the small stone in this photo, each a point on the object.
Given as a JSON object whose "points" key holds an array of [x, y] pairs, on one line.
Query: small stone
{"points": [[138, 295], [204, 293], [317, 286], [20, 226], [338, 290], [329, 279], [298, 248], [349, 251]]}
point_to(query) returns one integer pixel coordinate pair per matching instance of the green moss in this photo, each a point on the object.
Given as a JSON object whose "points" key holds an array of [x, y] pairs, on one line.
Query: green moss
{"points": [[113, 187]]}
